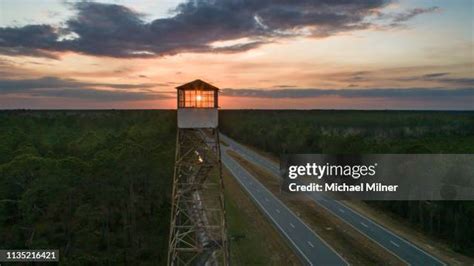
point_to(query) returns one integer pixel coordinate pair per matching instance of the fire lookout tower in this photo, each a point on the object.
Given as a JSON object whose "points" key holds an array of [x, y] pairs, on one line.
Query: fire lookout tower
{"points": [[198, 234]]}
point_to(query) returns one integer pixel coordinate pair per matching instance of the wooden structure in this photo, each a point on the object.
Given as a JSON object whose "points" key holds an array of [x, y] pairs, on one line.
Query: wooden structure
{"points": [[198, 234]]}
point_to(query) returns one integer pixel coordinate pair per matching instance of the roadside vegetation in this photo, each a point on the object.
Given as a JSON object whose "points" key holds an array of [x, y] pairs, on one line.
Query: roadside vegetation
{"points": [[349, 132], [254, 240]]}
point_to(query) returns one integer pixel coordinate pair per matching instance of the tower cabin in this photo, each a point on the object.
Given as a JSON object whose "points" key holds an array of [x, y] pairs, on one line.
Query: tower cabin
{"points": [[197, 105]]}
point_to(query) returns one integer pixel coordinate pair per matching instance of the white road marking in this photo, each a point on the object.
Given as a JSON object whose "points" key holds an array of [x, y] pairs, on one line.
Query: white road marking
{"points": [[362, 223], [277, 210], [292, 225], [395, 244], [341, 210], [303, 254]]}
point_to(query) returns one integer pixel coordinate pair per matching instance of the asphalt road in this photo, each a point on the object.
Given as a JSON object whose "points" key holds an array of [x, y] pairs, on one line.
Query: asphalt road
{"points": [[395, 244], [308, 245]]}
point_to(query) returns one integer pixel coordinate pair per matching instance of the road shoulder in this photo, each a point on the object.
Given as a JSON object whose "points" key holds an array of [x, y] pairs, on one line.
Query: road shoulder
{"points": [[253, 240], [403, 229]]}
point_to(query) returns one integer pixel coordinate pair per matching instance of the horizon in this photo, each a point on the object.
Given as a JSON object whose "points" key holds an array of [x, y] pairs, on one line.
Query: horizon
{"points": [[250, 109], [303, 55]]}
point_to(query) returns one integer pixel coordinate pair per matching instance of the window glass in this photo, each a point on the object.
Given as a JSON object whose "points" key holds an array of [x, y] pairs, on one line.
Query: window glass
{"points": [[196, 99], [180, 99]]}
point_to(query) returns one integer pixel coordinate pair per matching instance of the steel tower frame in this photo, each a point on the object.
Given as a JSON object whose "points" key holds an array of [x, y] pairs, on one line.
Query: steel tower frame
{"points": [[198, 228]]}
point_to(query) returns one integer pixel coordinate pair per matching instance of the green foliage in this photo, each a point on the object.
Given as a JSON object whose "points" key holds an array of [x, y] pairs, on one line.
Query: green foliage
{"points": [[353, 132], [94, 184]]}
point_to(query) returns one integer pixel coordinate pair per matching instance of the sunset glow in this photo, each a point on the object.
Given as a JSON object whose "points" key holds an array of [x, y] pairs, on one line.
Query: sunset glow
{"points": [[388, 49]]}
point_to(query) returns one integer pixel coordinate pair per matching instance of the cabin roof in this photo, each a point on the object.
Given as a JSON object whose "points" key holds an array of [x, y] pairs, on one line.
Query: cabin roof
{"points": [[197, 85]]}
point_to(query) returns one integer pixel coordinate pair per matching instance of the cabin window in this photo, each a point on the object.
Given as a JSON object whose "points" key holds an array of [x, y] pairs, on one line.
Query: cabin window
{"points": [[196, 99]]}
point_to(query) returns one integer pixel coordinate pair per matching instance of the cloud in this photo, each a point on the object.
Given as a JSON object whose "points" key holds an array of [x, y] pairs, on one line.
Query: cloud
{"points": [[70, 88], [97, 95], [283, 86], [54, 82], [457, 81], [394, 20], [407, 93], [349, 76], [409, 14], [435, 75], [117, 31], [443, 78]]}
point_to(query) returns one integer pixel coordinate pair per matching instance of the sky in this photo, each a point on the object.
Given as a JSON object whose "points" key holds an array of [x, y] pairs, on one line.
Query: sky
{"points": [[285, 54]]}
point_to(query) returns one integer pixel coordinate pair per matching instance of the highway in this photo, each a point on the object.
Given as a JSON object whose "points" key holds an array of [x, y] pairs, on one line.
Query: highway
{"points": [[308, 245], [395, 244]]}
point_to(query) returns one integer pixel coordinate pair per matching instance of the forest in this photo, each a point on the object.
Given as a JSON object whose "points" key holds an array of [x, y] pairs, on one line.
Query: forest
{"points": [[94, 184], [371, 132]]}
